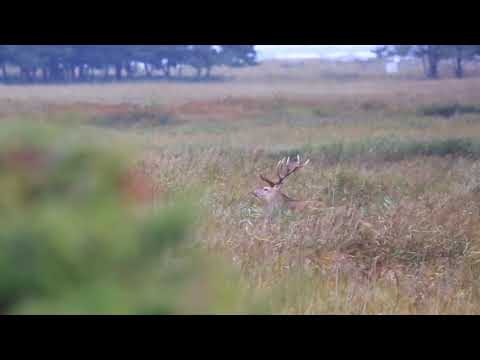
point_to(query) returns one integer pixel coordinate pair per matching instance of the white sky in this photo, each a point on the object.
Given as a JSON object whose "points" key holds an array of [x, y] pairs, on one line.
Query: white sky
{"points": [[313, 51]]}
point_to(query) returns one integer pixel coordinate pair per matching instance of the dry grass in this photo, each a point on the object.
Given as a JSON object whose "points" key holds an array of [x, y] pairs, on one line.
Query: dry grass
{"points": [[401, 232], [398, 237], [317, 84]]}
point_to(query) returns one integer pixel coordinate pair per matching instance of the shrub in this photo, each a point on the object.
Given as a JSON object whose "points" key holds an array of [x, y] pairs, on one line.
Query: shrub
{"points": [[448, 110], [71, 241], [140, 119], [385, 149]]}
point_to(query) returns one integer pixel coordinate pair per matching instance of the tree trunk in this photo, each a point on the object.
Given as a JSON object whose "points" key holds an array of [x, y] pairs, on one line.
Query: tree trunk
{"points": [[70, 73], [432, 66], [459, 68], [63, 74], [105, 74], [4, 72], [66, 74], [31, 75], [148, 70], [53, 72], [118, 71], [91, 73], [81, 73], [459, 64], [208, 72], [23, 73], [26, 74], [129, 70], [425, 67], [45, 74]]}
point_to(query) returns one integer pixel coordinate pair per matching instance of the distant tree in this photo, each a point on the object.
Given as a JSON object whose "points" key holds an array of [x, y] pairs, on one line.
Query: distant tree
{"points": [[146, 55], [238, 55], [206, 57], [28, 58], [380, 51], [4, 59], [202, 57], [80, 62], [167, 57], [431, 55], [58, 59], [116, 56], [461, 53], [178, 56], [86, 57]]}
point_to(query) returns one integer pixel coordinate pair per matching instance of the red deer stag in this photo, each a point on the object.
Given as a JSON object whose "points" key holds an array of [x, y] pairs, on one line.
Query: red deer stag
{"points": [[272, 196]]}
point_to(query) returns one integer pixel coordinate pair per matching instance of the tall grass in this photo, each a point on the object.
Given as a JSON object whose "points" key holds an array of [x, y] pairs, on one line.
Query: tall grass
{"points": [[398, 238], [399, 233]]}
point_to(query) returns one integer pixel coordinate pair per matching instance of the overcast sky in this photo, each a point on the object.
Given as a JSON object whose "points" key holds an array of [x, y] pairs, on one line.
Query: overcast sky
{"points": [[313, 51]]}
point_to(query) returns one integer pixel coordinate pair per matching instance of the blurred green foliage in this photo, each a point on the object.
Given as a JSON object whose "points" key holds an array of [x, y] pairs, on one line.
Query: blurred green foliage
{"points": [[72, 243]]}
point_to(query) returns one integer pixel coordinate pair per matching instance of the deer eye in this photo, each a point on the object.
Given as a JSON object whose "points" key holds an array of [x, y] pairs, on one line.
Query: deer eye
{"points": [[266, 189]]}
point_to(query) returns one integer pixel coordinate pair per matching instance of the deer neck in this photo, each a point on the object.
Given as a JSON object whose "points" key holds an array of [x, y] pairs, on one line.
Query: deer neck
{"points": [[281, 201], [292, 204], [286, 199]]}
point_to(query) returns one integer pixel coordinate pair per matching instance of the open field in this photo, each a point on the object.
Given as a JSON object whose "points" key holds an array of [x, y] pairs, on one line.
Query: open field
{"points": [[400, 176]]}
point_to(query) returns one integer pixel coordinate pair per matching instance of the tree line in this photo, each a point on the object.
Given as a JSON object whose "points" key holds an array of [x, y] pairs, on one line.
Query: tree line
{"points": [[76, 63], [432, 55]]}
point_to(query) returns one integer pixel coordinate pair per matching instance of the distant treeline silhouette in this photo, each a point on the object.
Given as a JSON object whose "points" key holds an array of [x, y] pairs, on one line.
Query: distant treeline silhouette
{"points": [[432, 55], [82, 63]]}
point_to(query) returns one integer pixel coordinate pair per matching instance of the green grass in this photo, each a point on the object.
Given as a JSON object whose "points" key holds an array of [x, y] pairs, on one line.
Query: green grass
{"points": [[385, 149]]}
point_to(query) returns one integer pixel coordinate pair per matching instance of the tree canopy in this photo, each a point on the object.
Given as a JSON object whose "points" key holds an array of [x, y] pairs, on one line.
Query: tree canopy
{"points": [[61, 63], [431, 55]]}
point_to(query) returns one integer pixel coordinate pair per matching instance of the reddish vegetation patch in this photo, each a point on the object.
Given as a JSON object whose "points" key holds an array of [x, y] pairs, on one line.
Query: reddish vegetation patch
{"points": [[115, 114], [227, 108], [240, 107], [139, 188], [93, 108], [25, 159]]}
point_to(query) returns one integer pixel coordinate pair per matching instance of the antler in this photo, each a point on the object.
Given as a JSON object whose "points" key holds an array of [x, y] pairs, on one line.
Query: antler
{"points": [[288, 168], [284, 169], [268, 181]]}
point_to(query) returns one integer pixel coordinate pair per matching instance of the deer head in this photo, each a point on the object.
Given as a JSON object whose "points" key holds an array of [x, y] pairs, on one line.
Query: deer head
{"points": [[272, 195]]}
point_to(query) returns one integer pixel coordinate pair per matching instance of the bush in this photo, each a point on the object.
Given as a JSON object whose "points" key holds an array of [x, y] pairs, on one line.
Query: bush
{"points": [[72, 240], [448, 110], [384, 149], [140, 119]]}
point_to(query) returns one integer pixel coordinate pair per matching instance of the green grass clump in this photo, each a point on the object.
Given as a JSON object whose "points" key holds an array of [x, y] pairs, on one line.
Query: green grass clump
{"points": [[385, 149]]}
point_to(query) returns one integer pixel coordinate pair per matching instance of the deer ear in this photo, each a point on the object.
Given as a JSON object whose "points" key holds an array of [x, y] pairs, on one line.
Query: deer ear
{"points": [[269, 182]]}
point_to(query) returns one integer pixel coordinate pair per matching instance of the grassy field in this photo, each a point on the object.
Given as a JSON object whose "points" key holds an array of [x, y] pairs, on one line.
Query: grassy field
{"points": [[396, 160]]}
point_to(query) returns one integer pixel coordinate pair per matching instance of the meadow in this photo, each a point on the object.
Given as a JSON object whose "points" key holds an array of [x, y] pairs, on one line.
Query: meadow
{"points": [[396, 160]]}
